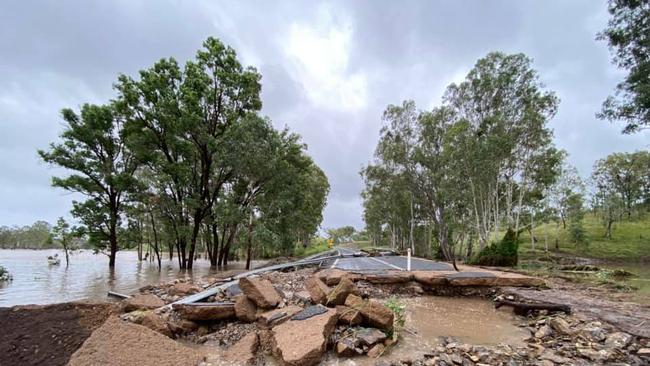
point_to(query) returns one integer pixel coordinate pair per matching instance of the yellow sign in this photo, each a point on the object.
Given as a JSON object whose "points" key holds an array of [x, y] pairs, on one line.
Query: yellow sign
{"points": [[330, 243]]}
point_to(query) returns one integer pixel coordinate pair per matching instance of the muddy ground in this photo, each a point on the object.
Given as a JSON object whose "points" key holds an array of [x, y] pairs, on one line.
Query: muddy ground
{"points": [[50, 334]]}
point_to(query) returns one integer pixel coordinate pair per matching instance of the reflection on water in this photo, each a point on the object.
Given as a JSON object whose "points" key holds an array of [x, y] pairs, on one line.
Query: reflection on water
{"points": [[641, 278], [87, 277]]}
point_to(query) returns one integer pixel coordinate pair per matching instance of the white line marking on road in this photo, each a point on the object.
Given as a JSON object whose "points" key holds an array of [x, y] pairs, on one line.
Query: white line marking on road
{"points": [[386, 263], [335, 263]]}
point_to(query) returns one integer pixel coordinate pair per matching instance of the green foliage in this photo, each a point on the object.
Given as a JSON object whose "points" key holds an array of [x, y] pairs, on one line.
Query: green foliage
{"points": [[35, 236], [627, 36], [5, 276], [316, 245], [503, 253], [342, 234], [399, 312]]}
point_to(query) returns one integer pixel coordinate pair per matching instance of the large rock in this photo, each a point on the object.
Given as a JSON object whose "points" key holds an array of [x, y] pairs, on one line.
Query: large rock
{"points": [[148, 319], [243, 352], [245, 309], [278, 316], [341, 291], [118, 343], [333, 276], [206, 311], [317, 290], [374, 313], [348, 316], [143, 302], [183, 289], [260, 291], [303, 342]]}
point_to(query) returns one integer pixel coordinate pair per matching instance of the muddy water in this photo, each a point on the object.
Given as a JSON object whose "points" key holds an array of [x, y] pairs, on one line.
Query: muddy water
{"points": [[469, 320], [87, 276]]}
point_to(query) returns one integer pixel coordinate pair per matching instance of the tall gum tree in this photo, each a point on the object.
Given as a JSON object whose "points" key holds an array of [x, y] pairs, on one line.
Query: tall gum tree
{"points": [[93, 148]]}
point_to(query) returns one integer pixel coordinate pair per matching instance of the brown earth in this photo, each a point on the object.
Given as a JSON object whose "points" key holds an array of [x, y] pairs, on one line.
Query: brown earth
{"points": [[49, 334]]}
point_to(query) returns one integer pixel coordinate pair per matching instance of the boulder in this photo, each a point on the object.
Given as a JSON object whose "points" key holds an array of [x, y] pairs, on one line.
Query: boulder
{"points": [[148, 319], [260, 291], [245, 309], [278, 316], [183, 289], [341, 291], [348, 316], [118, 343], [303, 342], [374, 313], [618, 340], [369, 336], [205, 311], [143, 302], [561, 326], [376, 351], [318, 291], [243, 352]]}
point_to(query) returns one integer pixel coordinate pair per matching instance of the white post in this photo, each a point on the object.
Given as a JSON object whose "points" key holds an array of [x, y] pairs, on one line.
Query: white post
{"points": [[408, 260]]}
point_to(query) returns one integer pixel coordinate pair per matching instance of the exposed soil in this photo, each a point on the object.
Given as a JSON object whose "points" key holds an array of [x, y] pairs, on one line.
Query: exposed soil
{"points": [[48, 334]]}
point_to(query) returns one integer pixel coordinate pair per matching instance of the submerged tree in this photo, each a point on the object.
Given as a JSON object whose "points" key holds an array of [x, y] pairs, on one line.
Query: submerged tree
{"points": [[93, 148], [65, 234]]}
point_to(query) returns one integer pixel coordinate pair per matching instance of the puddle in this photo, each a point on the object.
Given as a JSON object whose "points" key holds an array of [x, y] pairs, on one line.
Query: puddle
{"points": [[469, 320]]}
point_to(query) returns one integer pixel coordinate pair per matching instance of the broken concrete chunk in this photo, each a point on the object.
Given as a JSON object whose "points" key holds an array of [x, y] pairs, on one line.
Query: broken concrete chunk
{"points": [[341, 291], [303, 342], [260, 291], [205, 311], [245, 309], [277, 316], [309, 311], [374, 313], [243, 352], [143, 302], [318, 291], [348, 316]]}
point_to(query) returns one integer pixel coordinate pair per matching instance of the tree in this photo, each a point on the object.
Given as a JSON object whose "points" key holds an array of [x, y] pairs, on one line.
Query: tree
{"points": [[93, 148], [341, 234], [628, 37], [65, 234], [575, 213]]}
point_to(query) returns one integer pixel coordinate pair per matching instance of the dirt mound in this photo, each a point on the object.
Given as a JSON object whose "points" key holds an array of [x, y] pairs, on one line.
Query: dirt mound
{"points": [[48, 334], [118, 343]]}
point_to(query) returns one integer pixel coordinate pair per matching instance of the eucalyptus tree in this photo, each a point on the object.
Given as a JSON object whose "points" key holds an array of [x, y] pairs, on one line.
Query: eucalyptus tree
{"points": [[628, 37], [507, 140], [65, 234], [177, 119], [93, 148]]}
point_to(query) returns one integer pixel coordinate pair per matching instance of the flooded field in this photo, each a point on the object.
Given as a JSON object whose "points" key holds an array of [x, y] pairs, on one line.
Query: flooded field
{"points": [[468, 320], [87, 277]]}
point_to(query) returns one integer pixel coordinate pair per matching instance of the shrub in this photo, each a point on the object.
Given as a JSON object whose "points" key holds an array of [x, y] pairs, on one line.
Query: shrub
{"points": [[502, 254]]}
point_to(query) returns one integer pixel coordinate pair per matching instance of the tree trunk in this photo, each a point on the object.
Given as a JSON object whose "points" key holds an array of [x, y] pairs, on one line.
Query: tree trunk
{"points": [[156, 247], [112, 235], [249, 251]]}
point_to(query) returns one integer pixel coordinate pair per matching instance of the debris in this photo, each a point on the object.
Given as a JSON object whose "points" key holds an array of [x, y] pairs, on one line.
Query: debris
{"points": [[376, 351], [205, 311], [260, 291], [523, 308], [318, 291], [339, 293], [277, 316], [245, 309], [143, 302], [374, 313], [243, 352], [348, 316], [309, 312]]}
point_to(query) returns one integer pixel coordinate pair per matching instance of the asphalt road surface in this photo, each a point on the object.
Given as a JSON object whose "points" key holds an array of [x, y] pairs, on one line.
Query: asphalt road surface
{"points": [[384, 263]]}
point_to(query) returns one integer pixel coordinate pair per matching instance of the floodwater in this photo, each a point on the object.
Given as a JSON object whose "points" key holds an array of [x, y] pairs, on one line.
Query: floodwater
{"points": [[466, 319], [641, 278], [87, 276]]}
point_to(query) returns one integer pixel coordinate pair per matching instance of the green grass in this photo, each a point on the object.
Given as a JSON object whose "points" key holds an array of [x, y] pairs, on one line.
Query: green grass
{"points": [[630, 240], [317, 245]]}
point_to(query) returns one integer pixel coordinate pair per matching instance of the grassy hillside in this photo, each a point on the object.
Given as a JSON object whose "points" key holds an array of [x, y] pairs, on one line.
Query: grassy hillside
{"points": [[630, 240]]}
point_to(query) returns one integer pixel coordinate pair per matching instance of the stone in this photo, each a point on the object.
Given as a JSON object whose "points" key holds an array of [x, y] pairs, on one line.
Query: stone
{"points": [[303, 342], [593, 355], [455, 358], [341, 291], [549, 355], [543, 332], [260, 291], [303, 297], [243, 352], [476, 278], [376, 351], [318, 291], [346, 348], [183, 289], [348, 316], [182, 326], [148, 319], [333, 276], [374, 313], [245, 309], [278, 316], [205, 311], [618, 340], [560, 325], [643, 352], [369, 336], [233, 290], [593, 332], [143, 302], [309, 311], [431, 278]]}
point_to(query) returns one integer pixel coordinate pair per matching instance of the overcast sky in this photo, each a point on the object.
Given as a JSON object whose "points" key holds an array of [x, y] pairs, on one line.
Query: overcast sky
{"points": [[329, 69]]}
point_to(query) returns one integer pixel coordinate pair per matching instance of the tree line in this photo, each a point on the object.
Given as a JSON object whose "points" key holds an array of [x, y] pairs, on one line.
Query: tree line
{"points": [[181, 161]]}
